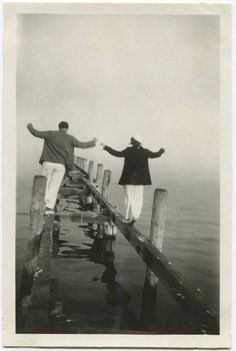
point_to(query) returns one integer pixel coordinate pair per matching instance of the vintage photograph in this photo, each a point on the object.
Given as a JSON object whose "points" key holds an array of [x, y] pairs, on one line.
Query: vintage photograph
{"points": [[119, 173]]}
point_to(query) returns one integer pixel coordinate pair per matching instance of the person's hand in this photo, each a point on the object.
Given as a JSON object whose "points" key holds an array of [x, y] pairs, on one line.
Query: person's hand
{"points": [[95, 140], [102, 144], [162, 150], [29, 125]]}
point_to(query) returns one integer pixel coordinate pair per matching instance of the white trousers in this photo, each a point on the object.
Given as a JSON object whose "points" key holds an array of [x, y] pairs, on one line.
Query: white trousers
{"points": [[133, 201], [54, 172]]}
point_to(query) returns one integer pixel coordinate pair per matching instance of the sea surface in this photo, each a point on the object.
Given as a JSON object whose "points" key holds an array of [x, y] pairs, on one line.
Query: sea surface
{"points": [[191, 244]]}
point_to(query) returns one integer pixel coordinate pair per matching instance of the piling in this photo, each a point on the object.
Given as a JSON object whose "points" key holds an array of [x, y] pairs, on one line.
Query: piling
{"points": [[90, 170], [98, 182], [36, 227], [156, 239], [98, 179], [78, 161], [38, 312], [105, 183], [36, 213], [83, 163]]}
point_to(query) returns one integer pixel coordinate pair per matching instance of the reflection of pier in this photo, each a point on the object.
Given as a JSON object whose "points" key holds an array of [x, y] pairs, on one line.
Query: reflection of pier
{"points": [[116, 313], [56, 241]]}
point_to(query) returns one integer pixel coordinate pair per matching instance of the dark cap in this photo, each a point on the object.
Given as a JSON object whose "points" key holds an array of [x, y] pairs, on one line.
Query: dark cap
{"points": [[63, 124]]}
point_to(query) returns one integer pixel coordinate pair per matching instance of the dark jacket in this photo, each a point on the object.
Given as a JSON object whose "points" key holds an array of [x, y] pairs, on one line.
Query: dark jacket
{"points": [[59, 146], [135, 169]]}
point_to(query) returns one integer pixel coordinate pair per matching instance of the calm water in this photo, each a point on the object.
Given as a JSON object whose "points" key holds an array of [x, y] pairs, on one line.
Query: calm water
{"points": [[191, 243]]}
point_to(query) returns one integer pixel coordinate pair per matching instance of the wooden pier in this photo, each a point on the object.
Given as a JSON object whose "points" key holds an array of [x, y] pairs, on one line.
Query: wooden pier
{"points": [[83, 198]]}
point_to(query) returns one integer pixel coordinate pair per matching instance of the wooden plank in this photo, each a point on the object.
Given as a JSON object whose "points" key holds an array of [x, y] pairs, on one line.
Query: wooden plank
{"points": [[191, 299], [71, 191]]}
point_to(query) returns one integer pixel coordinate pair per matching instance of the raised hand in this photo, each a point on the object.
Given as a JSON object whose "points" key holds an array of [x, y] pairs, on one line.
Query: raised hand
{"points": [[29, 125], [162, 150], [95, 140]]}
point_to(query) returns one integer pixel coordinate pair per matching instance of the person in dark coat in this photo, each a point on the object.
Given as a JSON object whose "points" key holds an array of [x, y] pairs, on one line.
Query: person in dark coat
{"points": [[135, 175]]}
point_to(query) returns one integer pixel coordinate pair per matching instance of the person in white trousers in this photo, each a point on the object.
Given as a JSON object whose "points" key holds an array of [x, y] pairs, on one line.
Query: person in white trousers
{"points": [[135, 175], [54, 172], [133, 201], [56, 158]]}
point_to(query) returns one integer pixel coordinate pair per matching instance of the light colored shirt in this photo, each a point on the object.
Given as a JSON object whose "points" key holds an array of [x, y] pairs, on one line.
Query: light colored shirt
{"points": [[59, 146]]}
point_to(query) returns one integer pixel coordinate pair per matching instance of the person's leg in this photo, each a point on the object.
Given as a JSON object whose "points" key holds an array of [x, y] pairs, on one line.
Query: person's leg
{"points": [[47, 172], [54, 185], [127, 201], [136, 201]]}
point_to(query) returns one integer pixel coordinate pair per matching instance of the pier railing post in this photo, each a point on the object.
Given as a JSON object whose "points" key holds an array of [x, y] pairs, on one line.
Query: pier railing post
{"points": [[90, 170], [98, 179], [105, 183], [83, 164], [36, 212], [77, 161], [36, 227], [156, 238]]}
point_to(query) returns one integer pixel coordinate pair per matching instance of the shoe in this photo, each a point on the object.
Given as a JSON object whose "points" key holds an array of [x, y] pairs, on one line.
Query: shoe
{"points": [[129, 221], [49, 211]]}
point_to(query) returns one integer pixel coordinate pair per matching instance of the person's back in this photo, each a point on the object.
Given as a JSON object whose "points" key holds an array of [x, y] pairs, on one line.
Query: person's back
{"points": [[135, 175], [56, 157], [58, 147], [135, 170]]}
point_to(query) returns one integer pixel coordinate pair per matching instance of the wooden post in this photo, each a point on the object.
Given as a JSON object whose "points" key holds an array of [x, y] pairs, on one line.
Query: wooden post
{"points": [[98, 179], [156, 239], [77, 161], [36, 227], [105, 182], [83, 163], [90, 170], [37, 318], [36, 213]]}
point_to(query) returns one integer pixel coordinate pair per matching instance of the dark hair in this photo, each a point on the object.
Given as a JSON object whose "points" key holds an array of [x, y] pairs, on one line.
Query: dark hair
{"points": [[63, 124]]}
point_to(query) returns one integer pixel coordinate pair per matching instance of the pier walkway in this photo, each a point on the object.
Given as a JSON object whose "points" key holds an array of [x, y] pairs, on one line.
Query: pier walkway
{"points": [[83, 229]]}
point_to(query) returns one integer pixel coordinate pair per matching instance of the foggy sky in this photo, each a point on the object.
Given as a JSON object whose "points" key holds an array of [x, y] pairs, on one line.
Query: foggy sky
{"points": [[112, 76]]}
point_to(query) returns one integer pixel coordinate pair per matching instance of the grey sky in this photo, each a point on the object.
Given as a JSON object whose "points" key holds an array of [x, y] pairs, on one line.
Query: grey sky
{"points": [[111, 76]]}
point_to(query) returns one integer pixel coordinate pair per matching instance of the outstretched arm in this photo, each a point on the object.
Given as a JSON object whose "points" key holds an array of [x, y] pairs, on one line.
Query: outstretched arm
{"points": [[155, 154], [37, 133], [84, 145], [114, 152]]}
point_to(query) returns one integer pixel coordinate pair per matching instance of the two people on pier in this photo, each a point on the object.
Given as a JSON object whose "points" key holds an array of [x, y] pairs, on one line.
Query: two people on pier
{"points": [[135, 175], [57, 157]]}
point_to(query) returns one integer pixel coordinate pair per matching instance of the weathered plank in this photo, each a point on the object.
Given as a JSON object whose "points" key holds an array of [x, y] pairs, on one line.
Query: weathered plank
{"points": [[67, 191], [190, 298]]}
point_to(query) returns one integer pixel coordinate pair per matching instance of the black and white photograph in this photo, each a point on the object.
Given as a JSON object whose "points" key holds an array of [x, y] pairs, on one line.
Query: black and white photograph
{"points": [[117, 166]]}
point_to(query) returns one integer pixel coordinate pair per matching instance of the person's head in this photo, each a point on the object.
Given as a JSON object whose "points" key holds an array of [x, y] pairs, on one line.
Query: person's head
{"points": [[63, 126], [136, 140]]}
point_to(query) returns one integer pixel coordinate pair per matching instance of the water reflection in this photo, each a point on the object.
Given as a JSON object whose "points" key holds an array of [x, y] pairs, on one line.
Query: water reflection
{"points": [[116, 314]]}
